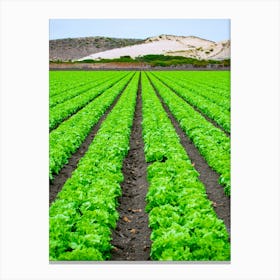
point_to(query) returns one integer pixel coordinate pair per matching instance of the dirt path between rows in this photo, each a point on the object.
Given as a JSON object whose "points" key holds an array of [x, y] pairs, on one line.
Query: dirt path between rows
{"points": [[215, 192], [59, 180], [131, 238]]}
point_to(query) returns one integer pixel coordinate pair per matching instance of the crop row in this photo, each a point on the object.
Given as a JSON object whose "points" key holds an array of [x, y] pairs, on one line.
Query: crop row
{"points": [[211, 142], [183, 222], [71, 93], [68, 137], [212, 98], [217, 81], [62, 111], [62, 81], [204, 105], [209, 89], [82, 216]]}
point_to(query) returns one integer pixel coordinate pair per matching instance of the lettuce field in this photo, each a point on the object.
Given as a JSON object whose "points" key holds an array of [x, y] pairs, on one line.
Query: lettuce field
{"points": [[139, 166]]}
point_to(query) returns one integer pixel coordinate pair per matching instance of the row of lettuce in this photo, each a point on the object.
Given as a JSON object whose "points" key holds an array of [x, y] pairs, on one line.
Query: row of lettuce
{"points": [[201, 99], [210, 90], [82, 216], [217, 81], [63, 81], [183, 222], [72, 92], [211, 142], [68, 137], [64, 110]]}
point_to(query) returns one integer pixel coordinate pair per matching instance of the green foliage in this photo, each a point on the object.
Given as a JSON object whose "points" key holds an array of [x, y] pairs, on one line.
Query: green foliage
{"points": [[125, 58], [211, 142], [183, 222], [198, 97], [64, 110], [184, 225], [81, 84], [161, 60], [67, 138], [87, 60], [82, 216], [213, 86], [82, 255]]}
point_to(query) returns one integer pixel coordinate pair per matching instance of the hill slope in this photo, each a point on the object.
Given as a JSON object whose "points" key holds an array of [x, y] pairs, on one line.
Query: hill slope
{"points": [[75, 48], [186, 46]]}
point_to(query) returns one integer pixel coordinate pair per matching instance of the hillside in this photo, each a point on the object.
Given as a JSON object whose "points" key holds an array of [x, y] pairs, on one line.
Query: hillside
{"points": [[75, 48], [171, 45]]}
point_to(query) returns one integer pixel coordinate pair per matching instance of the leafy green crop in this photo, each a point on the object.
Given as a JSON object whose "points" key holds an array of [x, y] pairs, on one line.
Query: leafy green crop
{"points": [[64, 110], [193, 95], [211, 142], [82, 216], [85, 86], [62, 81], [68, 137], [211, 85], [183, 222]]}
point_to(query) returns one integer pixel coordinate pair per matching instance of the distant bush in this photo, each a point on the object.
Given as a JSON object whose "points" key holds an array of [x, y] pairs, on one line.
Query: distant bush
{"points": [[87, 61], [56, 61]]}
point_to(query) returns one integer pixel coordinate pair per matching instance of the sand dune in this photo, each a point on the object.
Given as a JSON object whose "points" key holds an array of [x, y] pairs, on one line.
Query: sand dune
{"points": [[189, 46]]}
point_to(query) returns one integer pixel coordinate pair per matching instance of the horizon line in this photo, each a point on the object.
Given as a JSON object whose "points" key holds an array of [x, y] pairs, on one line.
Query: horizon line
{"points": [[103, 36]]}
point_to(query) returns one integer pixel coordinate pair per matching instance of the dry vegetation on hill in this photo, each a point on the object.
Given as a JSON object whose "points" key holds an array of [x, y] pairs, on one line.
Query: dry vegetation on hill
{"points": [[75, 48]]}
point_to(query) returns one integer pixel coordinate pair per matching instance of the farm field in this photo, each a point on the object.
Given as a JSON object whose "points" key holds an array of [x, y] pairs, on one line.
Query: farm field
{"points": [[139, 166]]}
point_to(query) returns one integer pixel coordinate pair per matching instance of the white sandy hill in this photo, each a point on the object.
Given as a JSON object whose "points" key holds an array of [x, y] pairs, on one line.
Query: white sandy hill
{"points": [[189, 46]]}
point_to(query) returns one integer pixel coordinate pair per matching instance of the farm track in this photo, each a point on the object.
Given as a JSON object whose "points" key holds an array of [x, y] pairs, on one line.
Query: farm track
{"points": [[57, 183], [131, 238], [196, 109], [215, 192]]}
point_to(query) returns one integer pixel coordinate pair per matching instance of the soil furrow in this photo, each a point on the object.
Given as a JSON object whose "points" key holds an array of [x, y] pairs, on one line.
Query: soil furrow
{"points": [[57, 183], [131, 238], [215, 192], [198, 110]]}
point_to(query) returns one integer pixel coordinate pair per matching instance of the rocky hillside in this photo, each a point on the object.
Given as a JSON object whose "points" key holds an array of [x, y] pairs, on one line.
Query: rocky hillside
{"points": [[75, 48], [186, 46]]}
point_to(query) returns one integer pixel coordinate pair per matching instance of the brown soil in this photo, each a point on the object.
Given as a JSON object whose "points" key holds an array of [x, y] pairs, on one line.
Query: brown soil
{"points": [[131, 239], [133, 66], [59, 180], [215, 192], [99, 66]]}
